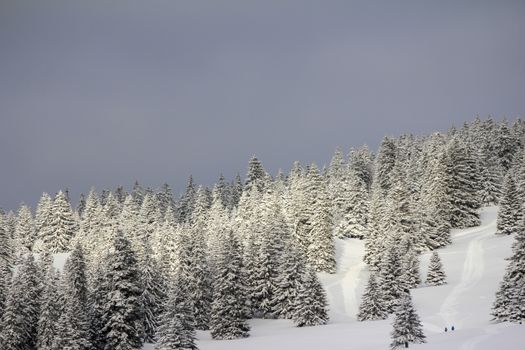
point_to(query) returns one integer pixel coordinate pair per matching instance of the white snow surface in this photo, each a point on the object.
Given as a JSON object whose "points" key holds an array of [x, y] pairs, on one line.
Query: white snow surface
{"points": [[474, 264]]}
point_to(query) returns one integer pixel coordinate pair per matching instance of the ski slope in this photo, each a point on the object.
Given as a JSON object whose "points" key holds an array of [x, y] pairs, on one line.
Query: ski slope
{"points": [[474, 264]]}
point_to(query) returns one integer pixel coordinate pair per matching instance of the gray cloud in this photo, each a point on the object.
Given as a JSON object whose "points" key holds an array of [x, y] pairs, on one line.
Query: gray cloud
{"points": [[102, 93]]}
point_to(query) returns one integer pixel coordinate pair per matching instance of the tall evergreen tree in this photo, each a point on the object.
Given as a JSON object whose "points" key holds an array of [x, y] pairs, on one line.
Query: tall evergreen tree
{"points": [[73, 328], [62, 226], [510, 298], [509, 211], [187, 202], [228, 317], [50, 308], [81, 205], [20, 318], [407, 326], [310, 304], [153, 294], [372, 306], [25, 228], [43, 218], [176, 329], [463, 187], [436, 275], [122, 310], [256, 175]]}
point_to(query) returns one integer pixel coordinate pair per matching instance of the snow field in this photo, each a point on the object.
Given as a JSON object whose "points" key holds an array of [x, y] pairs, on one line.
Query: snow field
{"points": [[474, 264]]}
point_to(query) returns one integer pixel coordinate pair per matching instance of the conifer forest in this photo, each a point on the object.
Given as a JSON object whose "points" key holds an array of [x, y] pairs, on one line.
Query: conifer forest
{"points": [[125, 268]]}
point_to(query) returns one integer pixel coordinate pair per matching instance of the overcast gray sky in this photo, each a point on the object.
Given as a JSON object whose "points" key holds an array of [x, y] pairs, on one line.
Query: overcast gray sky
{"points": [[100, 93]]}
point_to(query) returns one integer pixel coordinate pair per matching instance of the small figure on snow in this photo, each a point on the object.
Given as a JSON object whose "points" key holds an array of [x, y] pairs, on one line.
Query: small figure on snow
{"points": [[452, 328], [446, 329]]}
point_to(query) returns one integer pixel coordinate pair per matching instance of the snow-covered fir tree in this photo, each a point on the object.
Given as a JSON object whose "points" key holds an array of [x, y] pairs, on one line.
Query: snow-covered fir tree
{"points": [[373, 306], [311, 305], [463, 189], [407, 326], [43, 216], [73, 327], [410, 277], [390, 271], [97, 302], [290, 271], [321, 247], [18, 330], [153, 295], [436, 275], [228, 313], [176, 329], [187, 202], [510, 298], [61, 227], [509, 210], [25, 232], [122, 309], [49, 309], [193, 268]]}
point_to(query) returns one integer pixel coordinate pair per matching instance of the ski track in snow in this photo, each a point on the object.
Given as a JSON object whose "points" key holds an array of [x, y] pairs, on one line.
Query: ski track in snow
{"points": [[342, 291], [473, 269]]}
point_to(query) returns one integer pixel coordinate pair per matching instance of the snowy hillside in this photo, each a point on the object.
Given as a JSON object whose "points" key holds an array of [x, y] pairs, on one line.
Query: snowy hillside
{"points": [[474, 264]]}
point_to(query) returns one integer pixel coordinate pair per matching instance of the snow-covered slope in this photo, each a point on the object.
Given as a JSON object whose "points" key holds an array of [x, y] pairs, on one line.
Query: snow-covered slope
{"points": [[474, 264]]}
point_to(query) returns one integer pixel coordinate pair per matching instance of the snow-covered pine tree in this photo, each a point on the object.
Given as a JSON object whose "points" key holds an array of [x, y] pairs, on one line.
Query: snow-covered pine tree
{"points": [[436, 275], [62, 226], [337, 192], [462, 187], [43, 216], [510, 298], [5, 282], [321, 250], [25, 228], [6, 246], [436, 205], [153, 295], [407, 326], [165, 199], [390, 275], [195, 269], [508, 214], [372, 305], [290, 271], [374, 241], [176, 329], [267, 256], [138, 193], [410, 278], [97, 301], [18, 330], [81, 205], [361, 163], [122, 309], [228, 318], [311, 306], [187, 202], [355, 222], [384, 163], [256, 175], [73, 328], [49, 309]]}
